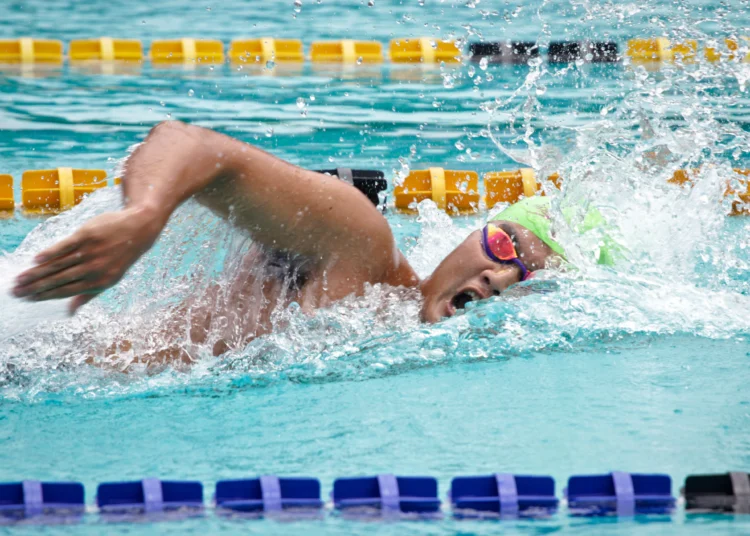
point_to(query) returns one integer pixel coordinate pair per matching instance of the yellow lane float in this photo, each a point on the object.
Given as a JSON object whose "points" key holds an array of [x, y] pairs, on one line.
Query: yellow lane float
{"points": [[187, 50], [28, 50], [55, 190]]}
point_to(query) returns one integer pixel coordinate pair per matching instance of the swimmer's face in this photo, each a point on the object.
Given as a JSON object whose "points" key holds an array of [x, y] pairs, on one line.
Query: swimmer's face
{"points": [[468, 274]]}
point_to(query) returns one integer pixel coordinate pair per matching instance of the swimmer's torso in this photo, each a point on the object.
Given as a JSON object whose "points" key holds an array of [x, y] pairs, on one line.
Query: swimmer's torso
{"points": [[251, 301], [248, 302]]}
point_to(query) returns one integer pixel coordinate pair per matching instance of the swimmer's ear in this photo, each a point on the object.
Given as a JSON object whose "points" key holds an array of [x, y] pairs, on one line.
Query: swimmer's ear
{"points": [[79, 301]]}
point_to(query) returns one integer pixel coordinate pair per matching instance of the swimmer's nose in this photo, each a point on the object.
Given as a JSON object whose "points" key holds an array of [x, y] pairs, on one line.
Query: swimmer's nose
{"points": [[496, 281]]}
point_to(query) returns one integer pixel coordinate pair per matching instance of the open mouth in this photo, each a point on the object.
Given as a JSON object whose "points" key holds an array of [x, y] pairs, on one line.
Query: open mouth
{"points": [[460, 300]]}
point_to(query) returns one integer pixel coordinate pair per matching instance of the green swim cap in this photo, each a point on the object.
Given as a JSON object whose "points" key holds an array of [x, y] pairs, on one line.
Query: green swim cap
{"points": [[533, 214]]}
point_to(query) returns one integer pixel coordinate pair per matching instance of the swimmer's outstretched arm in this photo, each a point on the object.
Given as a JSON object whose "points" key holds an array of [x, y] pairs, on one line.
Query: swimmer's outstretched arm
{"points": [[281, 205]]}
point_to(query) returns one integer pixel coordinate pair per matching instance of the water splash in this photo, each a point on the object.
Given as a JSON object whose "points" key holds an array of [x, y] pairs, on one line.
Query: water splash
{"points": [[686, 268]]}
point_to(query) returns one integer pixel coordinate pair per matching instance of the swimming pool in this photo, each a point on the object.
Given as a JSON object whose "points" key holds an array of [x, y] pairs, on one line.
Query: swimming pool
{"points": [[641, 368]]}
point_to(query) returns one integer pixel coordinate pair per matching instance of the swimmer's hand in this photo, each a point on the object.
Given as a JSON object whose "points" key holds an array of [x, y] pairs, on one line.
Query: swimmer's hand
{"points": [[91, 260]]}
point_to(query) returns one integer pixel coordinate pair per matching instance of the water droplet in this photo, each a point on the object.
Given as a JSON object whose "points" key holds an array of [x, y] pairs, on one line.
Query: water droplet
{"points": [[191, 93], [483, 63], [312, 97], [297, 6], [470, 71], [300, 102], [460, 146], [270, 64], [370, 3], [269, 132]]}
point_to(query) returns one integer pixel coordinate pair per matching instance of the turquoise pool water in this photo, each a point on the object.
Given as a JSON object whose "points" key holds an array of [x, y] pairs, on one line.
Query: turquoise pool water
{"points": [[642, 367]]}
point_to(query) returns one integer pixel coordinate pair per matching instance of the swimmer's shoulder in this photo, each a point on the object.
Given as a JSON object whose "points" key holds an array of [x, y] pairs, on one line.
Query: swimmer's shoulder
{"points": [[343, 279], [401, 274]]}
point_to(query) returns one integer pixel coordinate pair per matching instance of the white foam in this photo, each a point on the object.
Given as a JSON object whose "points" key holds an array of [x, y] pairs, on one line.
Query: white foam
{"points": [[17, 315]]}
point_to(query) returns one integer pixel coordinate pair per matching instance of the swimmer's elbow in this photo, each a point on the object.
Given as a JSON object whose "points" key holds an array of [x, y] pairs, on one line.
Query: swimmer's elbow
{"points": [[167, 127], [177, 134]]}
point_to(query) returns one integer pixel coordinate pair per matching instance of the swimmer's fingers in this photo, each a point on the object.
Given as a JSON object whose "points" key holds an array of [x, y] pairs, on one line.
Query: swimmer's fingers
{"points": [[93, 259], [72, 289], [31, 278], [61, 249], [56, 285]]}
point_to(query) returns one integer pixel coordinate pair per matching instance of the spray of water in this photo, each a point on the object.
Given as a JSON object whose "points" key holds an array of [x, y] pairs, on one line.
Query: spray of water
{"points": [[684, 266]]}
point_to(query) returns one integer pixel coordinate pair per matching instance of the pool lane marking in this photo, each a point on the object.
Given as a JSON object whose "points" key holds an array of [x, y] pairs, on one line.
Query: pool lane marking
{"points": [[27, 49], [348, 51], [428, 51], [188, 49], [528, 179], [268, 48], [437, 178], [107, 46], [67, 192]]}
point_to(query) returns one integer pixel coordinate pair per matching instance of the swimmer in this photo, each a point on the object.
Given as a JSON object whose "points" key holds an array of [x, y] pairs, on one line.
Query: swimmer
{"points": [[331, 235]]}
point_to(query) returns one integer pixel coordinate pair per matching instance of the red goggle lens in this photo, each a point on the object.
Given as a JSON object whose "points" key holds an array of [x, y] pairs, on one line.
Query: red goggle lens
{"points": [[500, 244]]}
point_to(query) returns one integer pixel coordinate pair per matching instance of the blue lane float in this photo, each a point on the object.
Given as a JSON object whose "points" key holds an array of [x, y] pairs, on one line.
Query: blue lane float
{"points": [[268, 494], [32, 498], [149, 496], [620, 494], [386, 494], [503, 495], [383, 496], [727, 493]]}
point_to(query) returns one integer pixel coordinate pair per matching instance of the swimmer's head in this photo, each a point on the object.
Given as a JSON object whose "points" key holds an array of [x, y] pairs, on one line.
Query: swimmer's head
{"points": [[468, 273]]}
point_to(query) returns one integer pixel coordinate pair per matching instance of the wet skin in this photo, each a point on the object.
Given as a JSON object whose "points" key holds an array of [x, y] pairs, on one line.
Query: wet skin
{"points": [[468, 274], [345, 241]]}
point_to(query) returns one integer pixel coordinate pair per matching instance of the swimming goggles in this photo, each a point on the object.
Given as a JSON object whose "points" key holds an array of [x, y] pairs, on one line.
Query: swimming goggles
{"points": [[499, 247]]}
